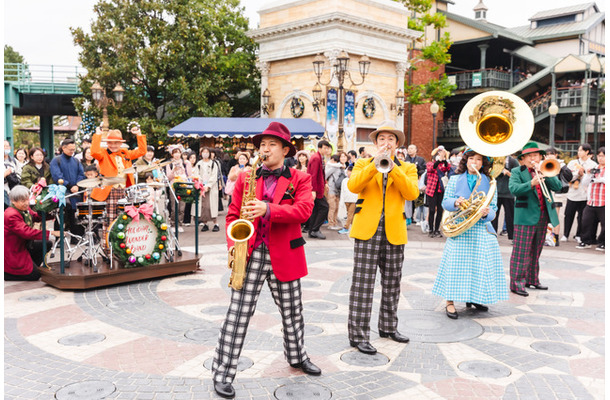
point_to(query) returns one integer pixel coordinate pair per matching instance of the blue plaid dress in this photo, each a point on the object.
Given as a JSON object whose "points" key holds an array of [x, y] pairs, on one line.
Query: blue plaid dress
{"points": [[471, 267]]}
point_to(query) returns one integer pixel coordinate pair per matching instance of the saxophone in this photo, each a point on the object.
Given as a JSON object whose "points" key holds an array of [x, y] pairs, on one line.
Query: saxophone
{"points": [[241, 230]]}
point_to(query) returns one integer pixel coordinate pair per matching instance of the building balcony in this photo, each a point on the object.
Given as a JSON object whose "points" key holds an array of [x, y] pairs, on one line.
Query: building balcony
{"points": [[489, 78]]}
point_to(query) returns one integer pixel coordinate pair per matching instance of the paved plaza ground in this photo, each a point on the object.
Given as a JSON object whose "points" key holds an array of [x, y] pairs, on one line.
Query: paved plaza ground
{"points": [[155, 339]]}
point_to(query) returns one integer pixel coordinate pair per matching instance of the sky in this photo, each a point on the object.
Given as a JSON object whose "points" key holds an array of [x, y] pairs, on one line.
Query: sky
{"points": [[39, 29]]}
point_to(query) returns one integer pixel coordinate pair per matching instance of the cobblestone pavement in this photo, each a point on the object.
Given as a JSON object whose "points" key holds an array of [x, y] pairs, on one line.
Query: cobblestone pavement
{"points": [[155, 339]]}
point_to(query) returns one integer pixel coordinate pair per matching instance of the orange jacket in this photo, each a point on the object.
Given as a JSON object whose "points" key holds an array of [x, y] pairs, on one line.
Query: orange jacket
{"points": [[108, 167]]}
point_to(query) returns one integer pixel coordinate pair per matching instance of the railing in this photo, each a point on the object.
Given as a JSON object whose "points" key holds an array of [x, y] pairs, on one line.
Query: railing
{"points": [[449, 129], [566, 97], [44, 78], [485, 78], [568, 146]]}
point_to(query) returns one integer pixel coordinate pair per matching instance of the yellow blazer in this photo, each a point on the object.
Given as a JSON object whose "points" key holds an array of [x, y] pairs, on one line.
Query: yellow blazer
{"points": [[367, 182]]}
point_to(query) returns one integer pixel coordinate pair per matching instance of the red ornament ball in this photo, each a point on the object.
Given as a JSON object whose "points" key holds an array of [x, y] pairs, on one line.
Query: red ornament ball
{"points": [[122, 245], [163, 237], [147, 256], [179, 198]]}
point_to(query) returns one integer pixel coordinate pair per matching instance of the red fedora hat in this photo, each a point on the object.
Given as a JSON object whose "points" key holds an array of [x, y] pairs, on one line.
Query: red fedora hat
{"points": [[279, 131]]}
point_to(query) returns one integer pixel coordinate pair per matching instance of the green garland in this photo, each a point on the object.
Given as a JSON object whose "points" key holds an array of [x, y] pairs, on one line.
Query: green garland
{"points": [[186, 192], [297, 106], [45, 206], [368, 107], [116, 236]]}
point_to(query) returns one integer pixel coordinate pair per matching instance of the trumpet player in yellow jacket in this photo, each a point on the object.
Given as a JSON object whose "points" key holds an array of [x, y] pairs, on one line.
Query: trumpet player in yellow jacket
{"points": [[383, 183]]}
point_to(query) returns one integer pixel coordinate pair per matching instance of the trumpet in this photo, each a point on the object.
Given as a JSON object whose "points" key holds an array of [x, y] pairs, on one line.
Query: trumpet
{"points": [[548, 169], [383, 161]]}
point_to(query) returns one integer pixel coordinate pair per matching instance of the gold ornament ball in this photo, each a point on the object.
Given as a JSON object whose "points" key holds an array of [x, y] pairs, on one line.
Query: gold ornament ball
{"points": [[188, 191], [125, 217], [128, 251], [160, 247]]}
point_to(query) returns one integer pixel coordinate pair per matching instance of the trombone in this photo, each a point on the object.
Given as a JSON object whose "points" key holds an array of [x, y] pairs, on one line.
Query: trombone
{"points": [[548, 169]]}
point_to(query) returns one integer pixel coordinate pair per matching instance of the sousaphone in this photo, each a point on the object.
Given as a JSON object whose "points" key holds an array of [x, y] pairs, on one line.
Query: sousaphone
{"points": [[493, 124]]}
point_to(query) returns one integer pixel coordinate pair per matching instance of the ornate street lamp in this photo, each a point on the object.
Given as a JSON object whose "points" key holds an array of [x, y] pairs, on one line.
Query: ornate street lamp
{"points": [[434, 110], [341, 72], [400, 103], [553, 110], [317, 97], [98, 93], [267, 107]]}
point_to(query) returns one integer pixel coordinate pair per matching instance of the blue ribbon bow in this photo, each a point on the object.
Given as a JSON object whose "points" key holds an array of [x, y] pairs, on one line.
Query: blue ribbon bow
{"points": [[58, 191]]}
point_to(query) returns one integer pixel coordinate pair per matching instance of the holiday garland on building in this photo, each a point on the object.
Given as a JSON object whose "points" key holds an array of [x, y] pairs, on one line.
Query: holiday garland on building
{"points": [[87, 127]]}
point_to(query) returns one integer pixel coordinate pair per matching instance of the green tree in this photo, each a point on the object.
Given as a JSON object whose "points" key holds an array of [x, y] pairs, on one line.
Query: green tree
{"points": [[175, 59], [437, 52], [11, 56]]}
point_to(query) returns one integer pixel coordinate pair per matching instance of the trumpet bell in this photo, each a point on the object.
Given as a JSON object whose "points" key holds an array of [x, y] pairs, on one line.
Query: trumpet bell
{"points": [[383, 165]]}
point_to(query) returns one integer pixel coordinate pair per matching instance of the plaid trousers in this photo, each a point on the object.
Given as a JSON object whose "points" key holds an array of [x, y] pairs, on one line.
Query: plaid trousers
{"points": [[287, 296], [368, 255], [525, 258]]}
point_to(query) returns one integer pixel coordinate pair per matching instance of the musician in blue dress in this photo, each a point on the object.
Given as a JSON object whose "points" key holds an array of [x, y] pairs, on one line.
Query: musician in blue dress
{"points": [[471, 269]]}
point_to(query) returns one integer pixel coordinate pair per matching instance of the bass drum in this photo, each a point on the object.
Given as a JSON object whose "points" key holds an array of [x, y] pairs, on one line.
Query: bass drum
{"points": [[140, 236]]}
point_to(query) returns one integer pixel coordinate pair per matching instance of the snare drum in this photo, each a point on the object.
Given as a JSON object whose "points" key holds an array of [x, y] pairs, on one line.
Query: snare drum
{"points": [[122, 203], [137, 192], [98, 210]]}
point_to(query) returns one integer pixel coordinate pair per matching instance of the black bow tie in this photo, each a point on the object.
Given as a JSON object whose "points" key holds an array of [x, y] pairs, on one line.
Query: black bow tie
{"points": [[276, 172]]}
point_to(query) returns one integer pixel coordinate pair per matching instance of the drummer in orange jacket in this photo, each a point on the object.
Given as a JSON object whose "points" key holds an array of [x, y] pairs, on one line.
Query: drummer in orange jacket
{"points": [[113, 161]]}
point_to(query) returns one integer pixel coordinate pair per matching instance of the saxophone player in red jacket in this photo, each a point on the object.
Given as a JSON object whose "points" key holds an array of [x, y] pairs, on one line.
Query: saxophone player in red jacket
{"points": [[275, 254]]}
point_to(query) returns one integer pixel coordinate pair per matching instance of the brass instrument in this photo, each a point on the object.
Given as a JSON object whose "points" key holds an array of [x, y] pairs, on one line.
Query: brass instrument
{"points": [[493, 124], [548, 168], [241, 230], [384, 162]]}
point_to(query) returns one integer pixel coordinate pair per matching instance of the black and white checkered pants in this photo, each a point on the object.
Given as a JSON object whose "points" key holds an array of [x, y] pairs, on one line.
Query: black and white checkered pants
{"points": [[368, 255], [287, 296]]}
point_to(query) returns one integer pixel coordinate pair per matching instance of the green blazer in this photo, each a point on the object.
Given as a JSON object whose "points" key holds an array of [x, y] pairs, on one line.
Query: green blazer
{"points": [[527, 205]]}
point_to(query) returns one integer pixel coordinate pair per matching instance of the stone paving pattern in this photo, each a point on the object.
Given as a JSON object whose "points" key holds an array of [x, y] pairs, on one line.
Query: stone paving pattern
{"points": [[155, 339]]}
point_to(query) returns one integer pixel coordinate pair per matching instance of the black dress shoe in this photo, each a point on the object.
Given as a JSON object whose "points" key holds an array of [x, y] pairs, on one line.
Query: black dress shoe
{"points": [[205, 228], [317, 235], [224, 390], [520, 292], [397, 337], [538, 286], [215, 228], [479, 307], [308, 367], [452, 315], [364, 347]]}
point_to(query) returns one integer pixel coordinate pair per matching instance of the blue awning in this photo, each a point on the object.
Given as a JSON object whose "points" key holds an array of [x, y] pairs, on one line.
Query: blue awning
{"points": [[244, 127]]}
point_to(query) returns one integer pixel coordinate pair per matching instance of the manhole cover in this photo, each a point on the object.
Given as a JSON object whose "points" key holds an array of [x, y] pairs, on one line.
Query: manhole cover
{"points": [[312, 330], [215, 310], [202, 334], [81, 339], [303, 391], [320, 306], [555, 297], [88, 390], [364, 360], [119, 304], [38, 297], [190, 282], [309, 284], [536, 320], [243, 364], [435, 327], [484, 369], [555, 348]]}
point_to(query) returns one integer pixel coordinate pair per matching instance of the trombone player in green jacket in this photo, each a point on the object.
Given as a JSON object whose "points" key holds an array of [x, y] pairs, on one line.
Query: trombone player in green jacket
{"points": [[532, 184]]}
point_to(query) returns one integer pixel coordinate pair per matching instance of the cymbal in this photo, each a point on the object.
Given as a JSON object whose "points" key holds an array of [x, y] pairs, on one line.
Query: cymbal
{"points": [[113, 180], [129, 170], [153, 166], [90, 183]]}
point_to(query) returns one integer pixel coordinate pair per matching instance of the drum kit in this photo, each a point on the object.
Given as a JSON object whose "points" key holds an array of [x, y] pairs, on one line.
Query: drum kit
{"points": [[93, 214]]}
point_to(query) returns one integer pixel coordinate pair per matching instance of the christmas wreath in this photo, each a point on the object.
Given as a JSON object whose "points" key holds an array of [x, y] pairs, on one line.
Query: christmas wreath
{"points": [[186, 191], [297, 106], [368, 107], [48, 198], [117, 237]]}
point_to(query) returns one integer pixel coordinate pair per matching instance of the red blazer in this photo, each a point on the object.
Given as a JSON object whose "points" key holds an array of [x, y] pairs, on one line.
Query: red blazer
{"points": [[17, 233], [286, 216], [315, 168]]}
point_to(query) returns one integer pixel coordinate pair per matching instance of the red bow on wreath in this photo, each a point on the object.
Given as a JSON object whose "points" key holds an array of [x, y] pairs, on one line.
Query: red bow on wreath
{"points": [[37, 188], [134, 212]]}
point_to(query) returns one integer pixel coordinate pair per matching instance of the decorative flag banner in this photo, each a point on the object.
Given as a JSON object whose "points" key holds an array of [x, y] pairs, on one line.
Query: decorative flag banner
{"points": [[349, 117], [332, 120]]}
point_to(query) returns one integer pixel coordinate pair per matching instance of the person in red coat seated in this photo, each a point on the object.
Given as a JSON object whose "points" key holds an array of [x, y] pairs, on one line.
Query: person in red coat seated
{"points": [[276, 255], [22, 243]]}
